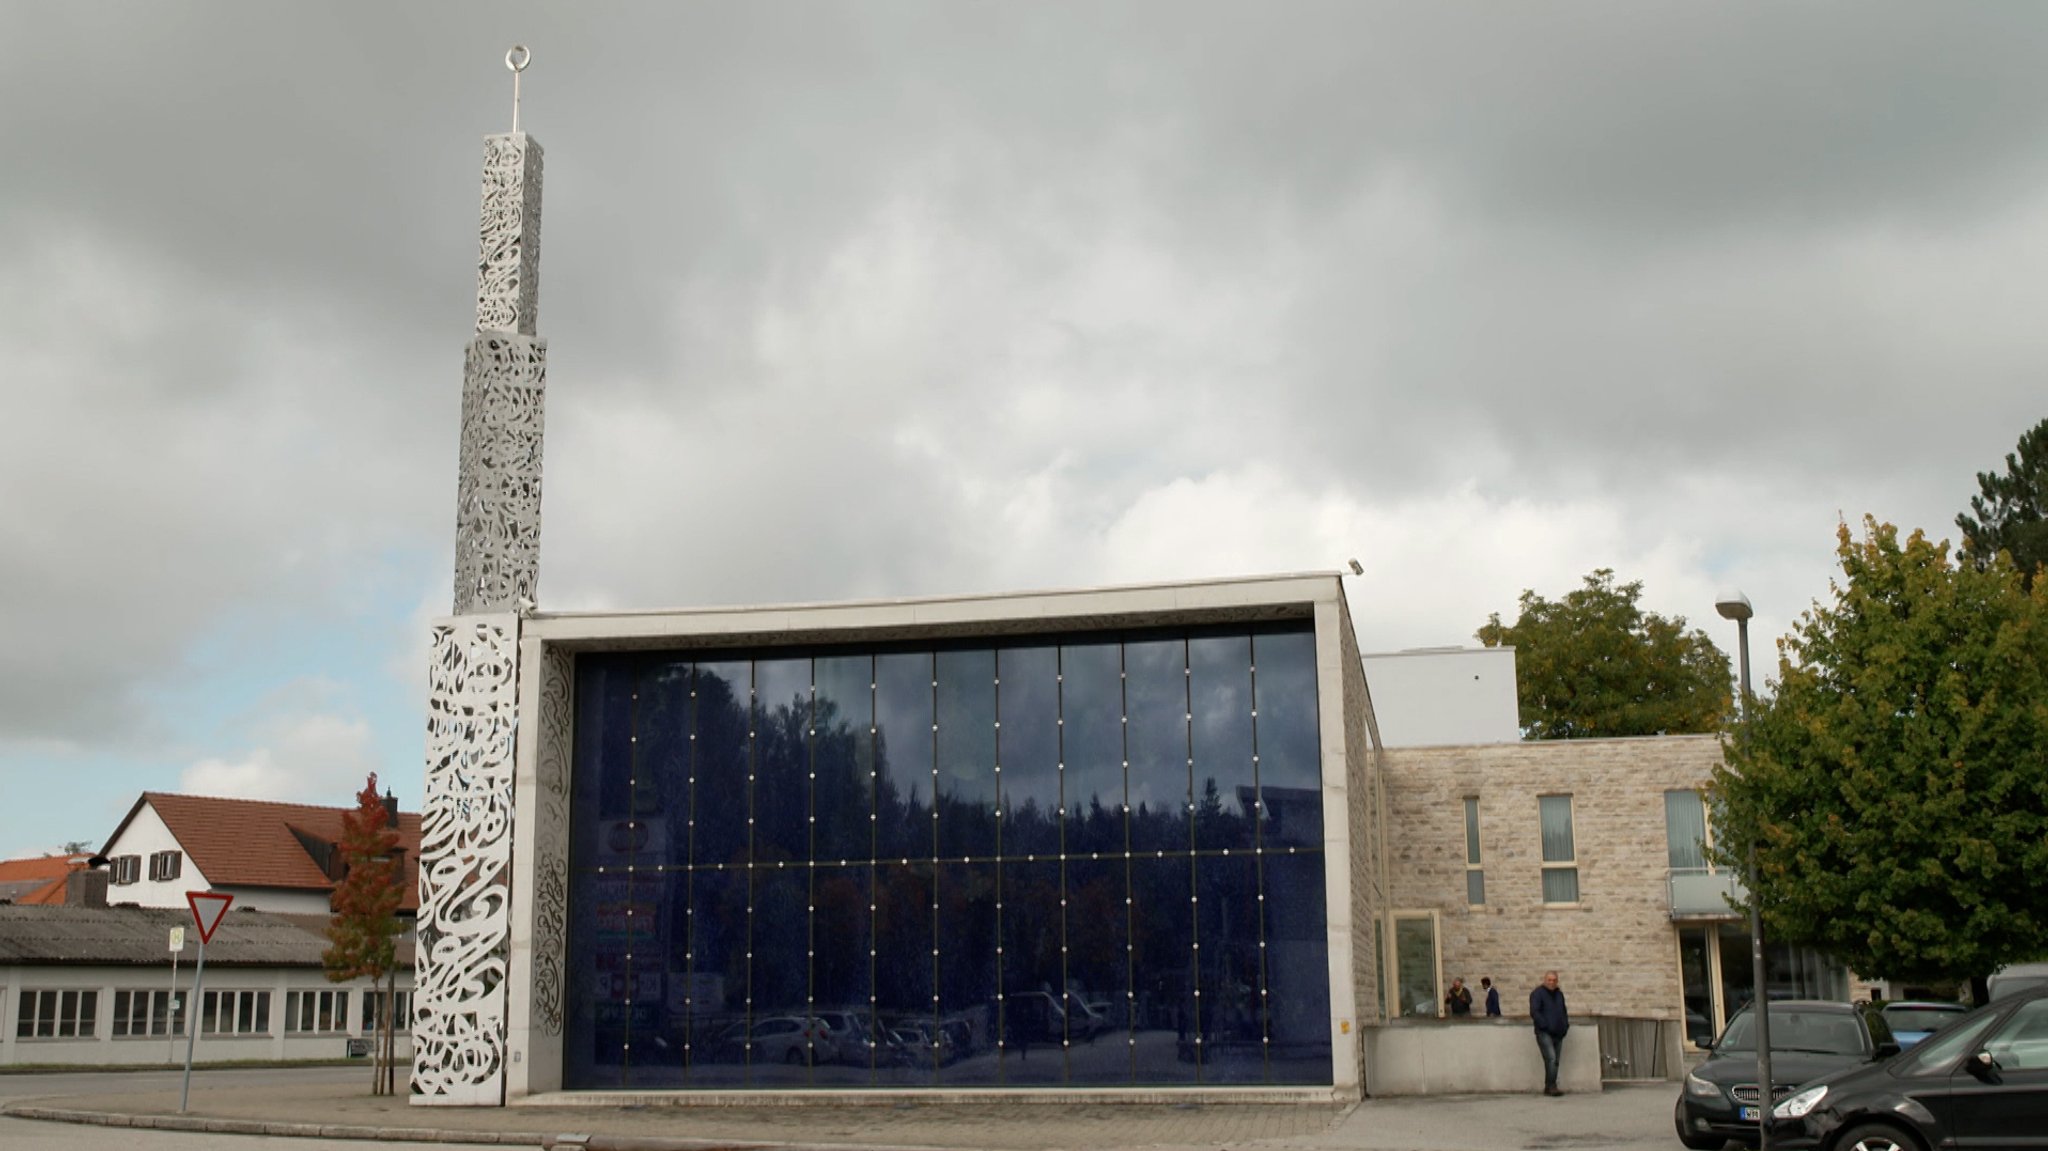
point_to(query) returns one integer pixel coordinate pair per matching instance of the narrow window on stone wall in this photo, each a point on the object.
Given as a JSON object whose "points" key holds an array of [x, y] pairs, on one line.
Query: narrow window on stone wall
{"points": [[1560, 854], [1475, 876], [1686, 832]]}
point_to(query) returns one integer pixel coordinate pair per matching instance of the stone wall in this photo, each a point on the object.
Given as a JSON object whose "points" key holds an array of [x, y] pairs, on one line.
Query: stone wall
{"points": [[1616, 950]]}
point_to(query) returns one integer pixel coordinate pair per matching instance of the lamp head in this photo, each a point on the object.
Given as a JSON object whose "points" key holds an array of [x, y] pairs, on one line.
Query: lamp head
{"points": [[1357, 569], [1733, 605]]}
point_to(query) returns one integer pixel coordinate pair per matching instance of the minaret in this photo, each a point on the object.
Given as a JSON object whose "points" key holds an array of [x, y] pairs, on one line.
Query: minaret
{"points": [[504, 384], [461, 1007]]}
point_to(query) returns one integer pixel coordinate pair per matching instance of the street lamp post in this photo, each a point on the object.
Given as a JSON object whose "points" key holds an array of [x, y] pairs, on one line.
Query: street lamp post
{"points": [[1734, 605]]}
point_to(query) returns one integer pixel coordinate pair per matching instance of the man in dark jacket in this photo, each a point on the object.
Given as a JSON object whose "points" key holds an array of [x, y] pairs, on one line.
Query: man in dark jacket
{"points": [[1546, 1011]]}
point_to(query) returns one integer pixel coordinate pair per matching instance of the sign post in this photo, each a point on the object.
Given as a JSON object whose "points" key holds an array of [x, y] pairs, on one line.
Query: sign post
{"points": [[171, 1005], [208, 909]]}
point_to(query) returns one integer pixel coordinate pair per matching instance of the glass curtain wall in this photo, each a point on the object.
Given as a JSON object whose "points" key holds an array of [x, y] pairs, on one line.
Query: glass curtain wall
{"points": [[1087, 860]]}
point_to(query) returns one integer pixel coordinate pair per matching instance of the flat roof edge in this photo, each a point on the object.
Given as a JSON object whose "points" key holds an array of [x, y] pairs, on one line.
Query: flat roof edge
{"points": [[1222, 600]]}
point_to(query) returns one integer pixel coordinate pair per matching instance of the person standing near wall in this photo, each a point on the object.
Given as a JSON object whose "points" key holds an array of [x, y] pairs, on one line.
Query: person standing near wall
{"points": [[1547, 1012], [1492, 996], [1459, 1001]]}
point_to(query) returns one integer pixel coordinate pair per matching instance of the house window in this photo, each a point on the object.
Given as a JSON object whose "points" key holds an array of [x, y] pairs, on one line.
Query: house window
{"points": [[316, 1011], [235, 1013], [124, 869], [1686, 832], [58, 1015], [141, 1013], [1560, 855], [1415, 964], [373, 1011], [165, 865], [1475, 876]]}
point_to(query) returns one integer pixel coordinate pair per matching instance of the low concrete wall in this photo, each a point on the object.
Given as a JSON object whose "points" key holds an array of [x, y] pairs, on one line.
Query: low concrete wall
{"points": [[1476, 1057]]}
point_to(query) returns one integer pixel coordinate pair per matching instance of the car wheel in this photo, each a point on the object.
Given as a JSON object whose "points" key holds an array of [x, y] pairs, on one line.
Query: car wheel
{"points": [[1876, 1137], [794, 1056]]}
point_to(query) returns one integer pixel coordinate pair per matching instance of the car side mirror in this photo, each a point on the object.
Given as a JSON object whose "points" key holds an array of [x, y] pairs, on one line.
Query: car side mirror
{"points": [[1887, 1049], [1706, 1045], [1982, 1065]]}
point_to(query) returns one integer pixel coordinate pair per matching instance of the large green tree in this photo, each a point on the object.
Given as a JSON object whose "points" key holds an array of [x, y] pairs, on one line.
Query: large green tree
{"points": [[1594, 663], [1895, 782], [2010, 512]]}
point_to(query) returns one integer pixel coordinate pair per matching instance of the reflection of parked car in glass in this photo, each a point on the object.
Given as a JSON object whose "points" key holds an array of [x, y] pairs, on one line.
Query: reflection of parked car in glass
{"points": [[777, 1039], [1043, 1017], [1911, 1021], [931, 1043], [960, 1035], [1980, 1081], [1720, 1099], [848, 1036]]}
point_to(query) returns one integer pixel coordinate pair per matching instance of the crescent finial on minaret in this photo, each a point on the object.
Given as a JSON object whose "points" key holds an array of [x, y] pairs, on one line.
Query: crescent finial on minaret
{"points": [[517, 59]]}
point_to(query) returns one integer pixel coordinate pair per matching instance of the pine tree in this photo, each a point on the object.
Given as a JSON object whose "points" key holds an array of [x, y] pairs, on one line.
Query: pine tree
{"points": [[362, 933], [2011, 510]]}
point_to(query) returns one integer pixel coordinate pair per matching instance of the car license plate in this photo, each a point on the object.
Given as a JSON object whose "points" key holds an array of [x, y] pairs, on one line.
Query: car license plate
{"points": [[1746, 1114]]}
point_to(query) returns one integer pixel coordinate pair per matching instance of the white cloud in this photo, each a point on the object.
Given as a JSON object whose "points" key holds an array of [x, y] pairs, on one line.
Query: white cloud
{"points": [[306, 758]]}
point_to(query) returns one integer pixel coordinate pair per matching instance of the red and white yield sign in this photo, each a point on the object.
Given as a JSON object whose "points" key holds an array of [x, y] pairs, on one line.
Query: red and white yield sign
{"points": [[208, 909]]}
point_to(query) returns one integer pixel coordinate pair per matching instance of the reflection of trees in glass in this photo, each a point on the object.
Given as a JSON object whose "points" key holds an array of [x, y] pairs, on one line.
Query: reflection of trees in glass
{"points": [[847, 773], [903, 936], [967, 935]]}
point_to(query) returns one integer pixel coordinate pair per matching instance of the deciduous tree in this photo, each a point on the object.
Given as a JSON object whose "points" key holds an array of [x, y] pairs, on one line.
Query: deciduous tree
{"points": [[1595, 664], [2010, 513], [362, 933], [1895, 783]]}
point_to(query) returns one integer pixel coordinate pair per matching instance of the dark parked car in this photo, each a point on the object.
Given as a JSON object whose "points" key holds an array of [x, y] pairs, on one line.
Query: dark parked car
{"points": [[1720, 1101], [1912, 1020], [1979, 1082]]}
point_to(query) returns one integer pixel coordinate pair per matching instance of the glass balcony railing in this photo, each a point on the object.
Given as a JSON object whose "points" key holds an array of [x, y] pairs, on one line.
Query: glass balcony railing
{"points": [[1704, 893]]}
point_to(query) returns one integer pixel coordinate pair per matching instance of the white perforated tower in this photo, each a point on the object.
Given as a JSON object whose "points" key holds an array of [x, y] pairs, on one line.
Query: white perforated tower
{"points": [[465, 929]]}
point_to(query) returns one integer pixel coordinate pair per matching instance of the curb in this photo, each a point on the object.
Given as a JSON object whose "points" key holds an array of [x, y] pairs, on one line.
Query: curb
{"points": [[204, 1125]]}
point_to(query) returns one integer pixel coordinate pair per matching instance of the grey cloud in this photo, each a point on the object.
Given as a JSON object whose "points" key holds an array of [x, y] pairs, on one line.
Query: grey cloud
{"points": [[865, 272]]}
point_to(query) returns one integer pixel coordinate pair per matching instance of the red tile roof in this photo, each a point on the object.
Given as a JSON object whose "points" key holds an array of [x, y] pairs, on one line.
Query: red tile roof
{"points": [[249, 842], [39, 880]]}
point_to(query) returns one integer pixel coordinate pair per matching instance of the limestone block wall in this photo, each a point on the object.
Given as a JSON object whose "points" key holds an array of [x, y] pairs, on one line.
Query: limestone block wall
{"points": [[1616, 950], [1368, 831]]}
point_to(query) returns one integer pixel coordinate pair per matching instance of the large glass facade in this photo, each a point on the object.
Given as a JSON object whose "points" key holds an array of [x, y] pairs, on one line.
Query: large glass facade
{"points": [[1087, 860]]}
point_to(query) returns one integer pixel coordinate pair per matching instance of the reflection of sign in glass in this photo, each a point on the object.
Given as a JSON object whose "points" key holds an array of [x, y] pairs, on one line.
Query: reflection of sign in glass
{"points": [[627, 835], [622, 840], [628, 986], [627, 919]]}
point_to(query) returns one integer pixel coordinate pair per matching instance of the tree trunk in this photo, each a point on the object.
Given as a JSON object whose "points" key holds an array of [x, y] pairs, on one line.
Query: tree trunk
{"points": [[376, 1074]]}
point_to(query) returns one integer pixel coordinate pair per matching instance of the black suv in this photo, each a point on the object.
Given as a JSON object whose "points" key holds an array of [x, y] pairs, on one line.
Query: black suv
{"points": [[1720, 1100], [1979, 1082]]}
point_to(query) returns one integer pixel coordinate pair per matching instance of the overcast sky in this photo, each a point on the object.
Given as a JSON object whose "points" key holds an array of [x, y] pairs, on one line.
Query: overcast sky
{"points": [[892, 299]]}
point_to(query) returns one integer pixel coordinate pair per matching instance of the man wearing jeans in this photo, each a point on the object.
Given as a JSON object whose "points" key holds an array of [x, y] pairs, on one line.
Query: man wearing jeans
{"points": [[1546, 1011]]}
